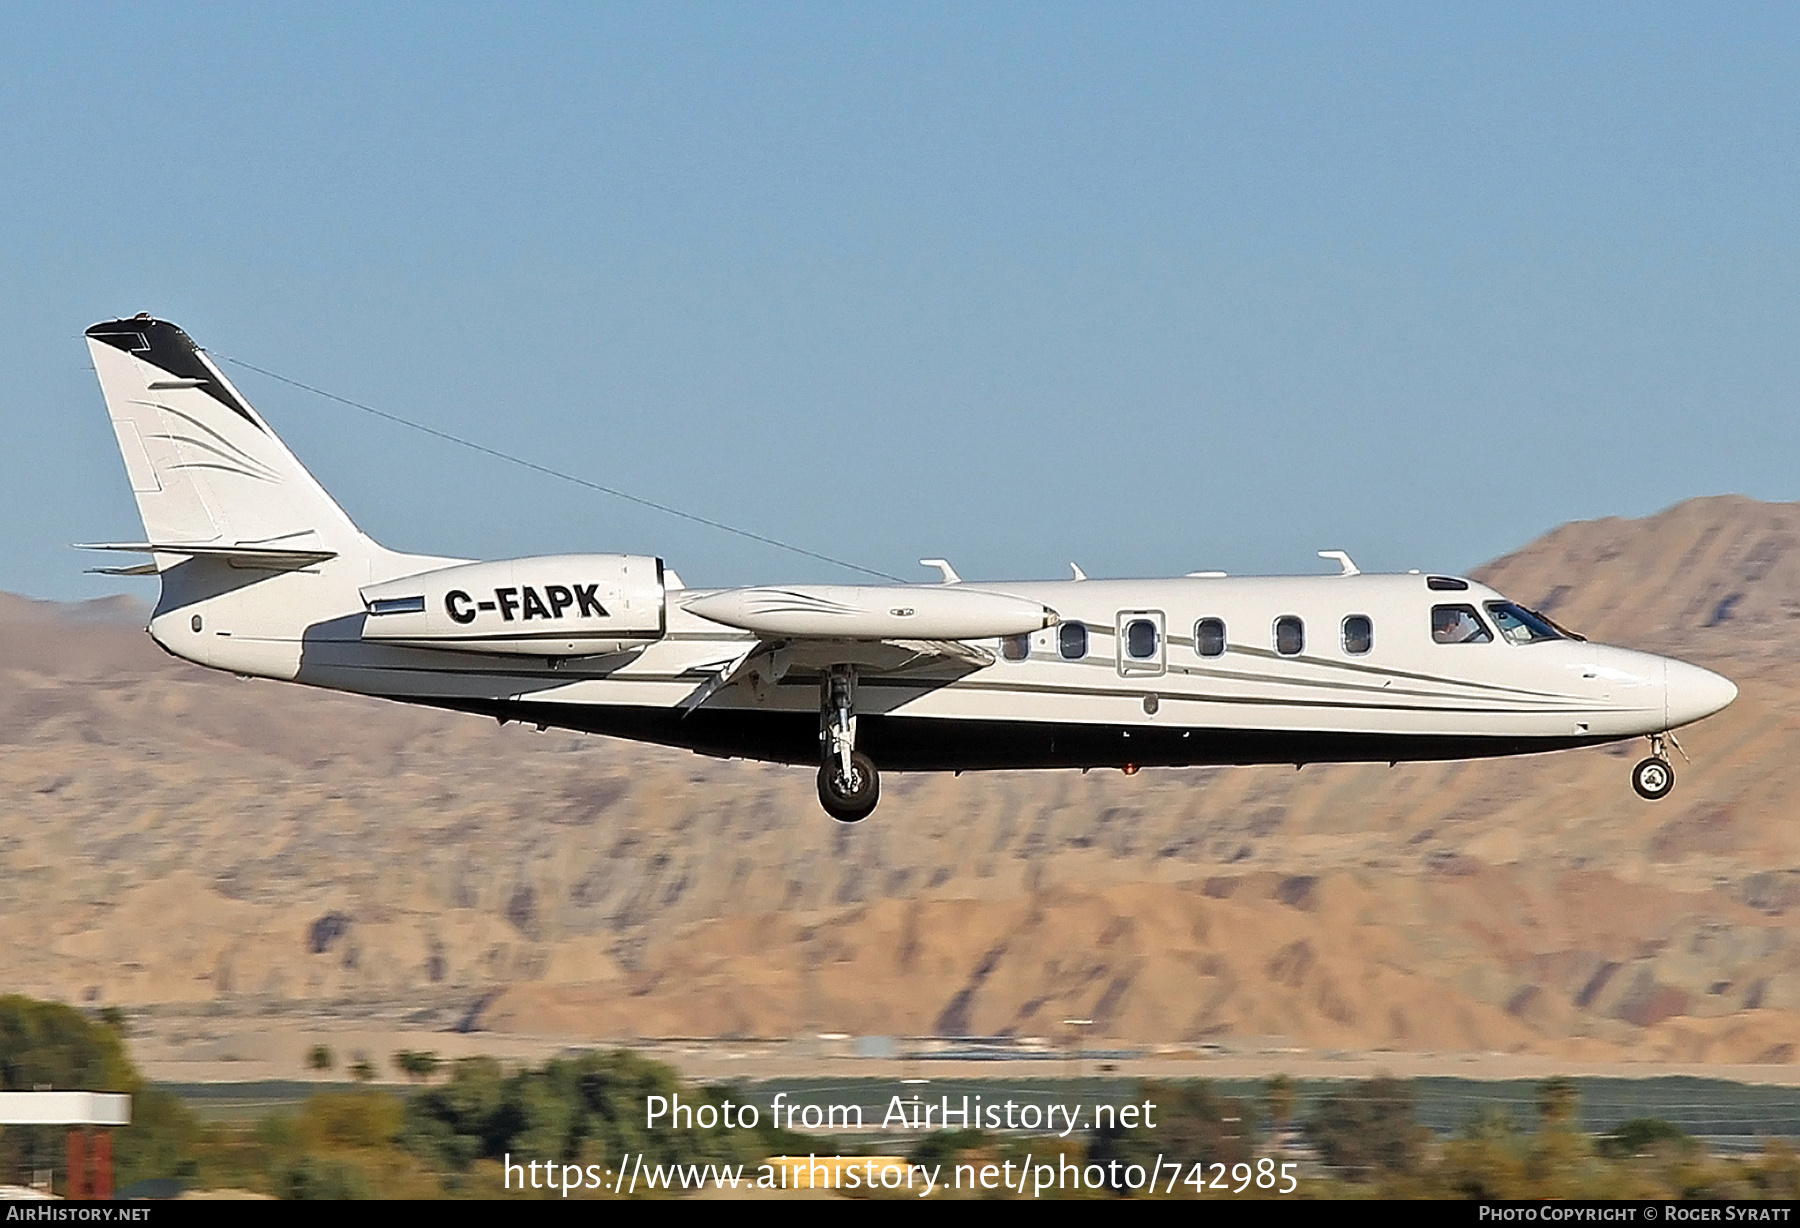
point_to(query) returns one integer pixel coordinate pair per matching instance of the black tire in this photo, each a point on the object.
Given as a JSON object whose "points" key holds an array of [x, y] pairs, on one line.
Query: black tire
{"points": [[1653, 778], [855, 806]]}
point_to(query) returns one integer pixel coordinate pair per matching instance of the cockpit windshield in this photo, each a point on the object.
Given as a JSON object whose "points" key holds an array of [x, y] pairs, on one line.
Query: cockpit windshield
{"points": [[1520, 625]]}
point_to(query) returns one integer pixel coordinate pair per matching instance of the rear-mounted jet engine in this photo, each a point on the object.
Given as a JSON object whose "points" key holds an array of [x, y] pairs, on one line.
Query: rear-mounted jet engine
{"points": [[565, 605]]}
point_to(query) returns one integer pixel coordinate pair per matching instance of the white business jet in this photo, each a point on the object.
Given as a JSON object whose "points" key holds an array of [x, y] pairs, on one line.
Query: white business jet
{"points": [[264, 575]]}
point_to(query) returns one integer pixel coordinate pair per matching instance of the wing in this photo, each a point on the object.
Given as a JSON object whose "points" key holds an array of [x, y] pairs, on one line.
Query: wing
{"points": [[768, 661], [917, 630]]}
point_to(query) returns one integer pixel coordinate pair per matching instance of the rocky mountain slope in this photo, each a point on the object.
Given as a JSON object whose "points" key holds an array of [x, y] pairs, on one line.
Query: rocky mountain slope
{"points": [[168, 835]]}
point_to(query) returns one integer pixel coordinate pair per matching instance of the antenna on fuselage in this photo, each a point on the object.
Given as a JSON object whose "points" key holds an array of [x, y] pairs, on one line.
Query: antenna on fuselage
{"points": [[1343, 561], [943, 565]]}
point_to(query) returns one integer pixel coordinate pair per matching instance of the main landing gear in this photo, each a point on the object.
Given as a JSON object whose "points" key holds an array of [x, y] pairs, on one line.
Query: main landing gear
{"points": [[1655, 776], [849, 786]]}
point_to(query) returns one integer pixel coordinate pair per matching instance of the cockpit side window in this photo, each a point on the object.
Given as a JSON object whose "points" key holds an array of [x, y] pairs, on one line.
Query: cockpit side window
{"points": [[1458, 624], [1519, 624]]}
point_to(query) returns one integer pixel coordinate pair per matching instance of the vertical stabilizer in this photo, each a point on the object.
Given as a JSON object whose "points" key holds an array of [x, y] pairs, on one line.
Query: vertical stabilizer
{"points": [[205, 469]]}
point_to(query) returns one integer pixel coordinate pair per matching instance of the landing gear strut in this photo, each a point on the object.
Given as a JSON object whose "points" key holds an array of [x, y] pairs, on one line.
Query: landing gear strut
{"points": [[849, 786], [1655, 776]]}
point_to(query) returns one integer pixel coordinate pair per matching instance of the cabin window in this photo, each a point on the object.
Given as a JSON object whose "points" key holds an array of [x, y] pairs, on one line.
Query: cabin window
{"points": [[1140, 639], [1209, 637], [1138, 642], [1290, 635], [1519, 624], [1359, 634], [1072, 641], [1458, 624], [1016, 647]]}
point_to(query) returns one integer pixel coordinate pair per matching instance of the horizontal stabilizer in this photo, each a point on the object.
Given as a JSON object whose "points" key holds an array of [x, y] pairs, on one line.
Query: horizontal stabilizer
{"points": [[270, 557]]}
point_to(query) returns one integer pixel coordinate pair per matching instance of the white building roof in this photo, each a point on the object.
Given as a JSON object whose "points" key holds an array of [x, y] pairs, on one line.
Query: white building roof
{"points": [[64, 1109]]}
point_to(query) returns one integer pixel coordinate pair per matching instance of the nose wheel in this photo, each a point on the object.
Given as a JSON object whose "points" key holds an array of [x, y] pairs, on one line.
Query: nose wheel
{"points": [[849, 786], [1655, 776]]}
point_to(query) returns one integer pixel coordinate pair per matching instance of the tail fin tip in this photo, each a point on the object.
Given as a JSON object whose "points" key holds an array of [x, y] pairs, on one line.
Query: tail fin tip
{"points": [[167, 347]]}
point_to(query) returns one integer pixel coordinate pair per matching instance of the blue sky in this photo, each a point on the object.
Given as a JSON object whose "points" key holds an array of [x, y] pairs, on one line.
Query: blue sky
{"points": [[1151, 288]]}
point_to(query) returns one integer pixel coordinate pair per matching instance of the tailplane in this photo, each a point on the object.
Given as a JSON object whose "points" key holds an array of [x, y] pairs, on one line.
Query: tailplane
{"points": [[210, 478]]}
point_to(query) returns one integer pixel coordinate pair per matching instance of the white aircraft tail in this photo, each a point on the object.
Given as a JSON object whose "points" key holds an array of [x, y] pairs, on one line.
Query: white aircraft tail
{"points": [[211, 479]]}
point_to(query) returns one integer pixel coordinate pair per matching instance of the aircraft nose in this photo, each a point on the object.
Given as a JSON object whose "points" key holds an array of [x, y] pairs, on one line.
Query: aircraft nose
{"points": [[1694, 693]]}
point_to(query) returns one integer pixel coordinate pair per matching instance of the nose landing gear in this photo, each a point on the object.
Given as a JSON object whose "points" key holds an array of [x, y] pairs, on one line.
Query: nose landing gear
{"points": [[1654, 777], [849, 786]]}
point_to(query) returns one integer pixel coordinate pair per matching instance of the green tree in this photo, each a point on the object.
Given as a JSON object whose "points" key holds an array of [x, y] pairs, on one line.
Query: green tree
{"points": [[1642, 1135], [1558, 1104], [350, 1119], [1190, 1120], [1280, 1099], [1494, 1124], [1488, 1157], [1369, 1129], [594, 1104], [416, 1066], [941, 1147], [362, 1070], [328, 1178], [47, 1044], [320, 1057], [164, 1140]]}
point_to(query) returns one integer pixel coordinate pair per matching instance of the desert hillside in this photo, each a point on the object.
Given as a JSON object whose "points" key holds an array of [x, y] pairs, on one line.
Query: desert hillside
{"points": [[171, 836]]}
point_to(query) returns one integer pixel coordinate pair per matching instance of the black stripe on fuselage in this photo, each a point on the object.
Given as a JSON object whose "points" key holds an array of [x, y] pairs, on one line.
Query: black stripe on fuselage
{"points": [[921, 744]]}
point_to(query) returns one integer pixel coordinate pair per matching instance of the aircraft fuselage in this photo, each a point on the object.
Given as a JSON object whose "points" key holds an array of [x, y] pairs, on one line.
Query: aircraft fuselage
{"points": [[1071, 695]]}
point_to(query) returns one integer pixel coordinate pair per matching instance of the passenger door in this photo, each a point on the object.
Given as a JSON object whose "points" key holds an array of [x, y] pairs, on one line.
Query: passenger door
{"points": [[1142, 646]]}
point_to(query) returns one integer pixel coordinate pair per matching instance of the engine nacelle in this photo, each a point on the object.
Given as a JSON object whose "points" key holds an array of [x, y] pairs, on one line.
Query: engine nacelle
{"points": [[562, 605]]}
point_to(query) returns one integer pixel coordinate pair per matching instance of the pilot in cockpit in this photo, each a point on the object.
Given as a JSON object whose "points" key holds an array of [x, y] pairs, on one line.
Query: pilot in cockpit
{"points": [[1456, 624]]}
